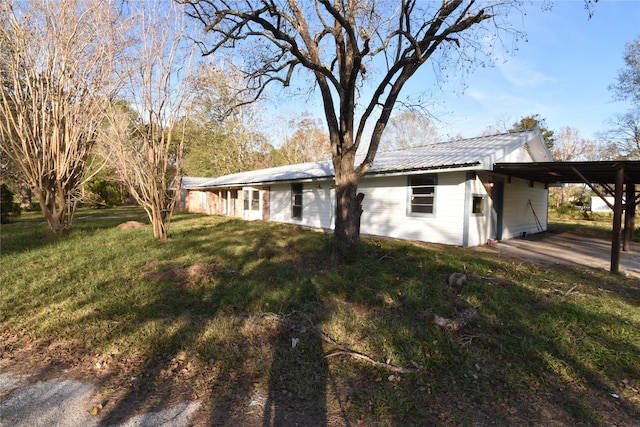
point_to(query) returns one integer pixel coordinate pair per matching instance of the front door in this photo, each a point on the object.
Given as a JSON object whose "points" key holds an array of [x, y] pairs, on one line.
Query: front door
{"points": [[252, 209]]}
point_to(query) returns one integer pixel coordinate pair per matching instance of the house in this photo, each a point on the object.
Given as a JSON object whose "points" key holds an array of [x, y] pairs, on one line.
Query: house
{"points": [[443, 193], [602, 204]]}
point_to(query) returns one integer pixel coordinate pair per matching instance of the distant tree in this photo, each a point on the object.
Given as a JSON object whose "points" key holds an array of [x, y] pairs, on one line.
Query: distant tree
{"points": [[625, 134], [625, 128], [532, 122], [144, 139], [303, 140], [627, 84], [500, 126], [408, 129], [569, 146], [57, 66], [222, 133], [336, 43], [8, 207]]}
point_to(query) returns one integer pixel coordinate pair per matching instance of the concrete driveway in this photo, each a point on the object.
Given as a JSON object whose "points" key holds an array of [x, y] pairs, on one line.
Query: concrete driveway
{"points": [[568, 248], [68, 403]]}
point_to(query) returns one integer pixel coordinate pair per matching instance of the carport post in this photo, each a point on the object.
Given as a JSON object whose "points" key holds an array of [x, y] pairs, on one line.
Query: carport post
{"points": [[617, 220], [629, 215]]}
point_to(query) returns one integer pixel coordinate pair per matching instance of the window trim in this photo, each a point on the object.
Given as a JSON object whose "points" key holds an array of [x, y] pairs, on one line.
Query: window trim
{"points": [[297, 189], [410, 194], [482, 197]]}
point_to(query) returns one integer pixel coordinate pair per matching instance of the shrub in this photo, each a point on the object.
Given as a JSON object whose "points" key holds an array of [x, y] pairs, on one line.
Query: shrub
{"points": [[8, 208], [103, 193]]}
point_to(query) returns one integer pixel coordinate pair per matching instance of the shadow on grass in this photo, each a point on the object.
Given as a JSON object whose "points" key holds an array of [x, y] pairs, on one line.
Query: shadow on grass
{"points": [[212, 316], [199, 328]]}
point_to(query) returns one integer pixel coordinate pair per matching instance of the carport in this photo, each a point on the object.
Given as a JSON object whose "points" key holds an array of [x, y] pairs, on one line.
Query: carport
{"points": [[605, 178]]}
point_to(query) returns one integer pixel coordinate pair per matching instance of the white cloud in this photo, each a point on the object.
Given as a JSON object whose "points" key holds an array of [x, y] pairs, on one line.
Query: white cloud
{"points": [[522, 74]]}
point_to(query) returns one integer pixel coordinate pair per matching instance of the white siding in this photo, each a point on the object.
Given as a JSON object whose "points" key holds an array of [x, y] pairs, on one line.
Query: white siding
{"points": [[518, 155], [317, 204], [386, 213], [385, 208], [518, 214], [478, 227]]}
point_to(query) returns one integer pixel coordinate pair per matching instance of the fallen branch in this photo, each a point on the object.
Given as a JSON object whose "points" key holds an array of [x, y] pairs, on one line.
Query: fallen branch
{"points": [[388, 367], [342, 350]]}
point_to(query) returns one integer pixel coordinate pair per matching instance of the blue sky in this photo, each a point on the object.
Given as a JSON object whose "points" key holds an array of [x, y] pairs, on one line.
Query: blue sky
{"points": [[561, 72]]}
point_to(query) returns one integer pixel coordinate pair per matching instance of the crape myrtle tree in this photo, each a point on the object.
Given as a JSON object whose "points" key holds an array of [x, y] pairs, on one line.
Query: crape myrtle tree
{"points": [[144, 134], [359, 55], [57, 74]]}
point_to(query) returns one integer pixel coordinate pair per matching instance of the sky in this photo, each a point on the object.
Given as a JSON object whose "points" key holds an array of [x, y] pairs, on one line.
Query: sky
{"points": [[560, 72]]}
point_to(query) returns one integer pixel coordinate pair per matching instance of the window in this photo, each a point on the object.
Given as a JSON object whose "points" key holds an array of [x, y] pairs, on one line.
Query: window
{"points": [[422, 194], [255, 200], [251, 200], [478, 204], [296, 201]]}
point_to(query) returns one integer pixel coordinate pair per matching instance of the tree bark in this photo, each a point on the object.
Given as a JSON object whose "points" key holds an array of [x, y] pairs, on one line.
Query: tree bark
{"points": [[348, 211]]}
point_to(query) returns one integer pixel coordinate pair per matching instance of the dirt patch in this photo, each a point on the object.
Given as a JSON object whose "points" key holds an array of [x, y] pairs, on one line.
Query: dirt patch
{"points": [[131, 225], [189, 277]]}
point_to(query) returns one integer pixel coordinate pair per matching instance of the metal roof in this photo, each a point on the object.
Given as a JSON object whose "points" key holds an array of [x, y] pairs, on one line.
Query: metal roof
{"points": [[473, 153], [600, 172]]}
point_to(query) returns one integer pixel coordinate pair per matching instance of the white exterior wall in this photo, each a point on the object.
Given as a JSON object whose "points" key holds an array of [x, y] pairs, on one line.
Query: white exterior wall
{"points": [[318, 201], [519, 155], [598, 205], [518, 215], [385, 209], [478, 225], [386, 201]]}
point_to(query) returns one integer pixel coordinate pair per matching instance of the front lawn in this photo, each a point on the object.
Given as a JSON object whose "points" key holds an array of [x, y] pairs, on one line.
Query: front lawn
{"points": [[252, 320]]}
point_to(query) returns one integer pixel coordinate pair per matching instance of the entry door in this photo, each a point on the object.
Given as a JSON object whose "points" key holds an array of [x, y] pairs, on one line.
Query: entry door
{"points": [[497, 204], [252, 209]]}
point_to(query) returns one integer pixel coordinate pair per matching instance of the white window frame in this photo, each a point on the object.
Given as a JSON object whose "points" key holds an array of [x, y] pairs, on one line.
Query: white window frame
{"points": [[294, 203], [413, 184]]}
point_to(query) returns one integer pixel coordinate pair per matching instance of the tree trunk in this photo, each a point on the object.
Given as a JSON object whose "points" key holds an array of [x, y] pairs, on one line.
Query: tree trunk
{"points": [[346, 236], [53, 220], [158, 223]]}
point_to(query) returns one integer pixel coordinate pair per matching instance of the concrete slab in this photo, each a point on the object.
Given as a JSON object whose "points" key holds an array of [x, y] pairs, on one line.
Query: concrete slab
{"points": [[568, 248]]}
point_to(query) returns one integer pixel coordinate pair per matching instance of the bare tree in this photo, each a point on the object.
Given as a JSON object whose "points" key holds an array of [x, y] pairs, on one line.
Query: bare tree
{"points": [[408, 129], [569, 145], [303, 140], [625, 130], [337, 42], [625, 134], [144, 136], [57, 68], [627, 84]]}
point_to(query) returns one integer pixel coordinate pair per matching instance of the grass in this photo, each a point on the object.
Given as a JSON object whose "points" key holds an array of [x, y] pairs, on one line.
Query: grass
{"points": [[587, 223], [212, 313]]}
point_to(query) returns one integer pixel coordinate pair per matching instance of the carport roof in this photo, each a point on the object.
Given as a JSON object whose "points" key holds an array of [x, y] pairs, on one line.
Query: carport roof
{"points": [[600, 172]]}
